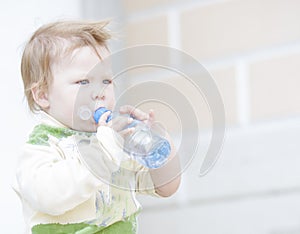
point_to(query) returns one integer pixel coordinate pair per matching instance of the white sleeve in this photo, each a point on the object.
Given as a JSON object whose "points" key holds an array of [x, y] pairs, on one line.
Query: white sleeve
{"points": [[51, 184]]}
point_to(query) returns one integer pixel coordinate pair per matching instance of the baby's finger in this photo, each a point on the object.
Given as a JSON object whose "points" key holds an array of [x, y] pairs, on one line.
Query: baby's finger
{"points": [[134, 112], [121, 122], [151, 119], [103, 119], [126, 132]]}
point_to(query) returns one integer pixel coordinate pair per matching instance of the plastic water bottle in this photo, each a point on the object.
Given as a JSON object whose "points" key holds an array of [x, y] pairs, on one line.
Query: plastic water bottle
{"points": [[144, 145]]}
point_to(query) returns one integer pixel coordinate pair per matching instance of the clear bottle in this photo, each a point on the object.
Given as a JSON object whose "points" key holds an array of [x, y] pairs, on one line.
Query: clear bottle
{"points": [[144, 145]]}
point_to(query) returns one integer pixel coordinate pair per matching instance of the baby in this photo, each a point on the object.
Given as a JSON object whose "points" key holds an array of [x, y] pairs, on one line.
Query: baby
{"points": [[73, 175]]}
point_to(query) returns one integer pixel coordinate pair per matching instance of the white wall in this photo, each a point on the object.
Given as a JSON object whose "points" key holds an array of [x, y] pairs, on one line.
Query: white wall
{"points": [[252, 49], [18, 19]]}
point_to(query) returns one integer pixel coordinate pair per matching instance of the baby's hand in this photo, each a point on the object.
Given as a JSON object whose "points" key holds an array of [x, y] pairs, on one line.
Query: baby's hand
{"points": [[148, 119], [119, 123], [103, 119], [138, 114]]}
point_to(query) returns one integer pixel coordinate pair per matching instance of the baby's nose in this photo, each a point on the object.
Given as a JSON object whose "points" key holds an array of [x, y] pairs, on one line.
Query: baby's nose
{"points": [[99, 95], [98, 92]]}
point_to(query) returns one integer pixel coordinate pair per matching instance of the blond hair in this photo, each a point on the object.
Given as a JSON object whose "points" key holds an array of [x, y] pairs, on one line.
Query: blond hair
{"points": [[48, 44]]}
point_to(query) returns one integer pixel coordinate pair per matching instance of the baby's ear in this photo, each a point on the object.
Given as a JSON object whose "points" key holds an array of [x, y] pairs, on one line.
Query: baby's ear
{"points": [[40, 96]]}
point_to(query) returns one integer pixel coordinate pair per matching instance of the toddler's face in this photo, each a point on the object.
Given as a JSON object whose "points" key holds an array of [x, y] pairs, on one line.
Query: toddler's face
{"points": [[80, 81]]}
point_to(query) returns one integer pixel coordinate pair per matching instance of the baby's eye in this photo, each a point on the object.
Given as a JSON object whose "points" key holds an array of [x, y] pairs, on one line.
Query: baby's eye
{"points": [[83, 82], [107, 81]]}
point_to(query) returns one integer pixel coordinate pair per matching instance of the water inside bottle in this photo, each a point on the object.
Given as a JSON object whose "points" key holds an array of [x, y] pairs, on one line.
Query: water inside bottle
{"points": [[150, 150], [157, 156]]}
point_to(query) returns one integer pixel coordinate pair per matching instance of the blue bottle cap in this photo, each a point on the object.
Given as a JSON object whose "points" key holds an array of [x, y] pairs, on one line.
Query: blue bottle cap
{"points": [[99, 112]]}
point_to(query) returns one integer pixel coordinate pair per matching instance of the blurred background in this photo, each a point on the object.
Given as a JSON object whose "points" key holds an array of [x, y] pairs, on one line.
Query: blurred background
{"points": [[251, 48]]}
